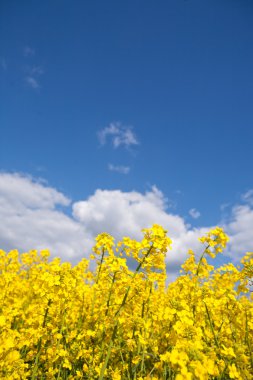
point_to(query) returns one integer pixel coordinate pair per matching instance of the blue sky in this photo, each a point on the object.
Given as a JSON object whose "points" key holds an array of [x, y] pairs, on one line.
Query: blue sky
{"points": [[147, 96]]}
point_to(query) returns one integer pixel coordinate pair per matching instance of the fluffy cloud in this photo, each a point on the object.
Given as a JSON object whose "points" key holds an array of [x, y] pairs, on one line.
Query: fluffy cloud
{"points": [[126, 213], [34, 215], [119, 135], [21, 191], [240, 228], [30, 218]]}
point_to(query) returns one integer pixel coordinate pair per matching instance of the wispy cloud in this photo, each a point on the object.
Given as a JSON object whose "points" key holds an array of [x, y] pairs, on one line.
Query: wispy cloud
{"points": [[119, 169], [33, 74], [28, 51], [32, 82], [119, 135], [3, 63], [36, 70], [248, 197], [224, 206], [195, 214]]}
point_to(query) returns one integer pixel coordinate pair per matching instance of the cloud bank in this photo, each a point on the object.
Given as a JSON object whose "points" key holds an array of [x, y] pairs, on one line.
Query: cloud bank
{"points": [[36, 216]]}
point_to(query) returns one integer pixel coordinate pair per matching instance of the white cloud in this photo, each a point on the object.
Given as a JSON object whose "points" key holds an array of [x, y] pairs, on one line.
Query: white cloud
{"points": [[22, 191], [32, 82], [32, 75], [240, 230], [248, 197], [28, 51], [127, 213], [119, 169], [33, 217], [30, 219], [119, 135], [195, 214]]}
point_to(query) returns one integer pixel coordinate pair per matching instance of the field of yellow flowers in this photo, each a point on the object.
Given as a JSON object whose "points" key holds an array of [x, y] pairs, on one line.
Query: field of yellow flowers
{"points": [[59, 321]]}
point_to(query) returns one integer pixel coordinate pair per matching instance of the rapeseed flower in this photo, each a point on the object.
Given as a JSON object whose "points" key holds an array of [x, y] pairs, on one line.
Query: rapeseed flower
{"points": [[59, 321]]}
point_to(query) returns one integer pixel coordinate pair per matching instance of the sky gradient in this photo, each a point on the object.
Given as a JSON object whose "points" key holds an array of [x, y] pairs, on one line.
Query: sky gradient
{"points": [[124, 114]]}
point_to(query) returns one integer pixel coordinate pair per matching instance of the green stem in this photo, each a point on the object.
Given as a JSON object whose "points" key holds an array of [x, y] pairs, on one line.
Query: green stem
{"points": [[35, 368], [101, 376], [100, 264], [106, 313], [200, 260], [197, 273], [114, 333], [135, 273], [211, 325], [247, 341]]}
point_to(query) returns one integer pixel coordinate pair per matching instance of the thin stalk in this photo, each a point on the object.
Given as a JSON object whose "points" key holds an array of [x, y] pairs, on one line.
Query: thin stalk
{"points": [[100, 264], [101, 376], [211, 325], [106, 313], [35, 368], [114, 333], [110, 294], [247, 341], [197, 273], [135, 273], [200, 260], [58, 343]]}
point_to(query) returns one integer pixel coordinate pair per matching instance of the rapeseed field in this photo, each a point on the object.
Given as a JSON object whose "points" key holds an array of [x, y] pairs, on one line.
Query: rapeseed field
{"points": [[59, 321]]}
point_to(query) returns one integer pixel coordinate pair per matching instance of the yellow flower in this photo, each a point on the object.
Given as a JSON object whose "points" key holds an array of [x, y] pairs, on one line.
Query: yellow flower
{"points": [[109, 321], [2, 320], [233, 373]]}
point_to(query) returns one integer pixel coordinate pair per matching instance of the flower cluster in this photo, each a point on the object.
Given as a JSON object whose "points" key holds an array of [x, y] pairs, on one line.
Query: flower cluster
{"points": [[59, 321]]}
